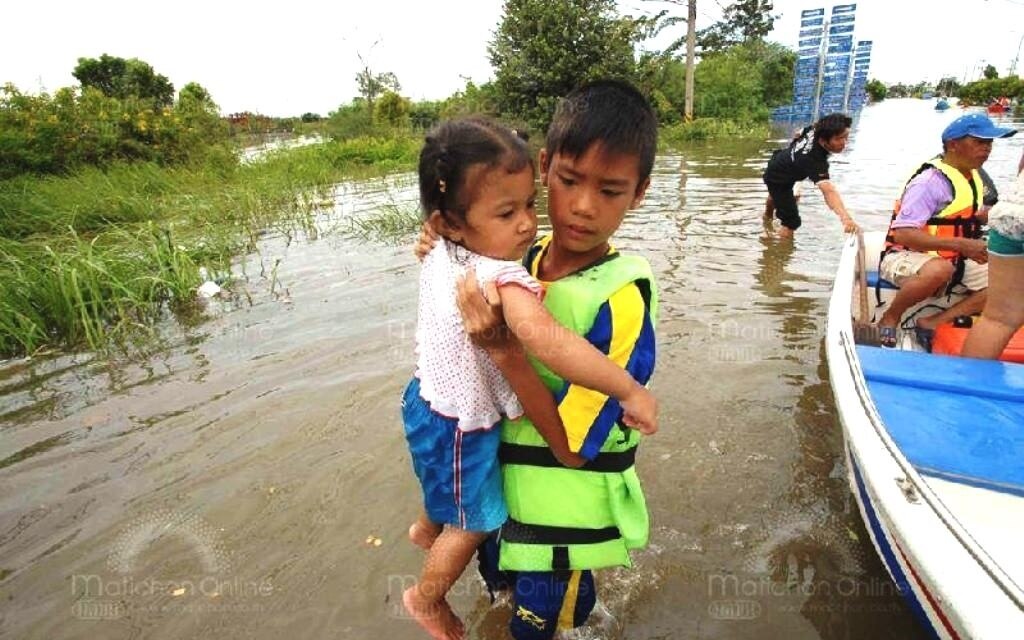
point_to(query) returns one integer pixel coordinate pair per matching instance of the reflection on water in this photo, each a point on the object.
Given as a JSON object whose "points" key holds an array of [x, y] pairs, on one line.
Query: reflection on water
{"points": [[237, 483]]}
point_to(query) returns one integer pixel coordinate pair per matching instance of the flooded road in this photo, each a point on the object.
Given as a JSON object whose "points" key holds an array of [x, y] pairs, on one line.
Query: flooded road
{"points": [[251, 480]]}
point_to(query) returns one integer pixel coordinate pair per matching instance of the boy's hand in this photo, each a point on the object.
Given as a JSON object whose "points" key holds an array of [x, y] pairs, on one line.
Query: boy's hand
{"points": [[570, 459], [482, 316], [428, 238], [640, 411]]}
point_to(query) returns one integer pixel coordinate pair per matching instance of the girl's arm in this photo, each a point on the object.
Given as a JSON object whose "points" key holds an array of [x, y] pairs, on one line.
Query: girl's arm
{"points": [[573, 358], [484, 323]]}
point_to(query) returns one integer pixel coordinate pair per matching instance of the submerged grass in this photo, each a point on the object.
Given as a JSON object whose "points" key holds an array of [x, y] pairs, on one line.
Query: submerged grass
{"points": [[390, 223], [703, 129], [96, 257]]}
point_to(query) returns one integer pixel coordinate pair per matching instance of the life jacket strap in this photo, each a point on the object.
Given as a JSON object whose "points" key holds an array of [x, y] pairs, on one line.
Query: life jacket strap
{"points": [[515, 531], [604, 462]]}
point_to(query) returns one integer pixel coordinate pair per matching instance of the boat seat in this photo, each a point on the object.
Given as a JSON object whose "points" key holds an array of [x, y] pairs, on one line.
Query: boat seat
{"points": [[960, 419], [873, 278]]}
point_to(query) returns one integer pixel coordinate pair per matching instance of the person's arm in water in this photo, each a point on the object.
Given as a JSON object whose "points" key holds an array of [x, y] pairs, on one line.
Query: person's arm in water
{"points": [[574, 359], [835, 203], [485, 324]]}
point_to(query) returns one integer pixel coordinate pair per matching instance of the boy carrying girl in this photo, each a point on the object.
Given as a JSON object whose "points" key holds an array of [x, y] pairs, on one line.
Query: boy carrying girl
{"points": [[565, 522]]}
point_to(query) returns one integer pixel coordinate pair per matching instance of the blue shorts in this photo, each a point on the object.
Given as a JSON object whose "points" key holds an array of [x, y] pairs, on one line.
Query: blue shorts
{"points": [[458, 470], [543, 602]]}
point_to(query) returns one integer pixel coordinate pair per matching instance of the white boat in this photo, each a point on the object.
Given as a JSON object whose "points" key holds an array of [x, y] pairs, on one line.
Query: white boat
{"points": [[935, 457]]}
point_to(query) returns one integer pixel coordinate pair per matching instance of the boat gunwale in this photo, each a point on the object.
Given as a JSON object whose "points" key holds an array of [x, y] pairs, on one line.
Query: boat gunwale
{"points": [[839, 335]]}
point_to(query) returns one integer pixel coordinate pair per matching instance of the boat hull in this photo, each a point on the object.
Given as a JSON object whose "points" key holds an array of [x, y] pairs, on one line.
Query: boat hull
{"points": [[947, 580]]}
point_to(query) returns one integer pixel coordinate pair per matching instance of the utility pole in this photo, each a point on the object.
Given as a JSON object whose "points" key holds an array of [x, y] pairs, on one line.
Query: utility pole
{"points": [[1013, 67], [691, 44]]}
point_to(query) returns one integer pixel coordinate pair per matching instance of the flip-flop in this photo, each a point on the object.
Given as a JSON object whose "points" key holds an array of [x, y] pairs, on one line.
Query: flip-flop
{"points": [[924, 337], [888, 337]]}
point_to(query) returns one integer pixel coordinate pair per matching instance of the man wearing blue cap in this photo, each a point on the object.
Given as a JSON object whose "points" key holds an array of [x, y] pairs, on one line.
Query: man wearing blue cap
{"points": [[934, 235]]}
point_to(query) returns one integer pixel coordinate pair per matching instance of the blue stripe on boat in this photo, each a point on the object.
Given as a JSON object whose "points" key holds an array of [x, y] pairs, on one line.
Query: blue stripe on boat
{"points": [[956, 418], [873, 279], [900, 578]]}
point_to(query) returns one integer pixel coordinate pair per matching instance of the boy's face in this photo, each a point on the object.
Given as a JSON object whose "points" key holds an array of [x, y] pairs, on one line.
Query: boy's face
{"points": [[588, 196]]}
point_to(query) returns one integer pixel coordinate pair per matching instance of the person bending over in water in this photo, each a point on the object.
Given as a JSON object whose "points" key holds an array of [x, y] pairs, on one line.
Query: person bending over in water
{"points": [[807, 157]]}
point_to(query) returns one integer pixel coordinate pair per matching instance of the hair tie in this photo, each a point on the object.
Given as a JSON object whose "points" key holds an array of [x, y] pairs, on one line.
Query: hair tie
{"points": [[441, 185]]}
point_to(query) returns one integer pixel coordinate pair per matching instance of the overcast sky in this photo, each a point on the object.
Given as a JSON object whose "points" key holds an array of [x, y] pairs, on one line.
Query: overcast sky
{"points": [[289, 58]]}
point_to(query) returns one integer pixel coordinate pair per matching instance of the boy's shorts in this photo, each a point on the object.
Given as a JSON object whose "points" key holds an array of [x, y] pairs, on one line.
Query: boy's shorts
{"points": [[458, 470], [897, 266], [543, 602], [1004, 246], [786, 209]]}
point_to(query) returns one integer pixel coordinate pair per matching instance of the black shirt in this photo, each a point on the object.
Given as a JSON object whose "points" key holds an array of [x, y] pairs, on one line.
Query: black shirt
{"points": [[802, 159]]}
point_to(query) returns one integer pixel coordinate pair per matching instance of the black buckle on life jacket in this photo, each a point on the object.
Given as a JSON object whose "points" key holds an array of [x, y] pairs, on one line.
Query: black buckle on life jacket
{"points": [[523, 533], [604, 462]]}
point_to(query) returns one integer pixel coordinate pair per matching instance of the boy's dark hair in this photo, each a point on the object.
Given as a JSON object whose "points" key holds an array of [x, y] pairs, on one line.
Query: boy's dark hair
{"points": [[831, 126], [452, 148], [611, 112]]}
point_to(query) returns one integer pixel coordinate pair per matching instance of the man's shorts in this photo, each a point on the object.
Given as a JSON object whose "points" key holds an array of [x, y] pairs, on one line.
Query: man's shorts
{"points": [[897, 266], [1004, 246], [458, 470], [543, 602], [786, 209]]}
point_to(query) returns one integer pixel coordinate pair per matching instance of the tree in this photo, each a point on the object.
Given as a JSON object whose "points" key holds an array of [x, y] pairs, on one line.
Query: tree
{"points": [[948, 86], [120, 78], [743, 81], [741, 22], [392, 110], [373, 84], [542, 50], [195, 95], [876, 90], [990, 72]]}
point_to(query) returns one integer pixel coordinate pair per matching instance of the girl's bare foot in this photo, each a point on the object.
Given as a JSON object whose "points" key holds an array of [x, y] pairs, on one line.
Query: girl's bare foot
{"points": [[436, 618], [423, 535]]}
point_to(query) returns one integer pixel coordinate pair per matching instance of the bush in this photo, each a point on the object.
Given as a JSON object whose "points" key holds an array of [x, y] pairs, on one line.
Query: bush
{"points": [[744, 82], [392, 110], [79, 127], [350, 121]]}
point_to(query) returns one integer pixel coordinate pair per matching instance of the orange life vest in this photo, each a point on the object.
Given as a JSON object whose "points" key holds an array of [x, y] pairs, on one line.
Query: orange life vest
{"points": [[958, 219]]}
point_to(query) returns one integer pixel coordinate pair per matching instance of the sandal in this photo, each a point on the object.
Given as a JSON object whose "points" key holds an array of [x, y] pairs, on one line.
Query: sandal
{"points": [[924, 337], [888, 337]]}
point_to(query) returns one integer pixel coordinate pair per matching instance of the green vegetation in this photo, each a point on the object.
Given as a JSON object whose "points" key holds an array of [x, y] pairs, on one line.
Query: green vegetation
{"points": [[741, 82], [984, 91], [93, 258], [124, 79], [530, 50], [114, 192], [76, 128], [876, 90]]}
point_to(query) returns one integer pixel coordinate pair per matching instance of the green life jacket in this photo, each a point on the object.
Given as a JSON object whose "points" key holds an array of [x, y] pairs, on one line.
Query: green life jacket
{"points": [[587, 518]]}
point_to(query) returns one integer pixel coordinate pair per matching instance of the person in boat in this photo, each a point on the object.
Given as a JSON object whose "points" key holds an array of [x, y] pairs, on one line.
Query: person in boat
{"points": [[934, 243], [1004, 309], [807, 157]]}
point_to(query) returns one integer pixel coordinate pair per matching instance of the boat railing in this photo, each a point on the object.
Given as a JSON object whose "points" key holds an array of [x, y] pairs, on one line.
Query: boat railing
{"points": [[912, 482]]}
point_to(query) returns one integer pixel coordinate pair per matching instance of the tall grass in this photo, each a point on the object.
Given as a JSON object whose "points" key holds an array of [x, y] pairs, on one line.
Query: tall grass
{"points": [[96, 257], [703, 129]]}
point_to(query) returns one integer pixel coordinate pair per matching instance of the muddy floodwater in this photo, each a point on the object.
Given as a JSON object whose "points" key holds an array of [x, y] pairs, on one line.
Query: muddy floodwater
{"points": [[251, 480]]}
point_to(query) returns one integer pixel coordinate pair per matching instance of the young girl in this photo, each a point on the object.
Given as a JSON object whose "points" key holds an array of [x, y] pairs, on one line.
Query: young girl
{"points": [[477, 185]]}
